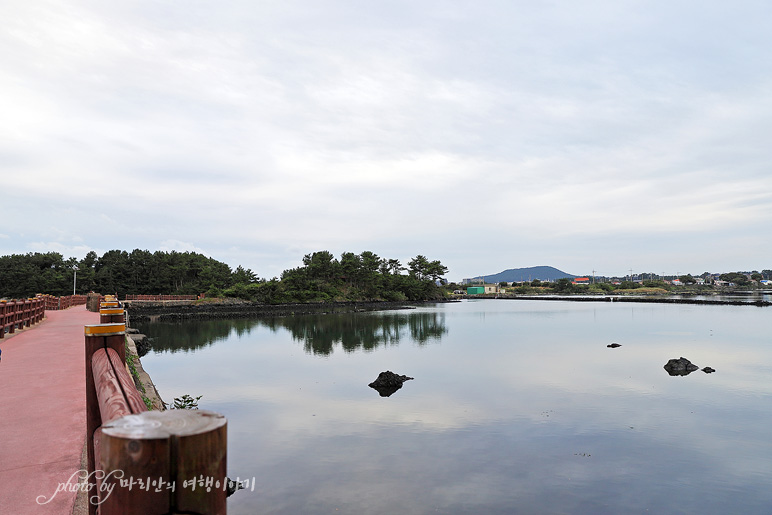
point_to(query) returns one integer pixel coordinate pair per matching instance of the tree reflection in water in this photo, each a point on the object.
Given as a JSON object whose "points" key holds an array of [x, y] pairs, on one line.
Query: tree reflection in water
{"points": [[360, 331], [318, 333]]}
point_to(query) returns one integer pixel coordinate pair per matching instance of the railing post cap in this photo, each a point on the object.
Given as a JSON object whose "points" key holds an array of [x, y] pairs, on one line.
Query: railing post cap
{"points": [[163, 424], [105, 329]]}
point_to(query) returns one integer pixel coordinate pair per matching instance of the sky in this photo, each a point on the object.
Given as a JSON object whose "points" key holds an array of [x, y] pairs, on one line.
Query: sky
{"points": [[602, 136]]}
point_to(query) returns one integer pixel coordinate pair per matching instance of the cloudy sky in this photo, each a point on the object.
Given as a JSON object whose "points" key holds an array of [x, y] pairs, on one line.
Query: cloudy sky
{"points": [[596, 135]]}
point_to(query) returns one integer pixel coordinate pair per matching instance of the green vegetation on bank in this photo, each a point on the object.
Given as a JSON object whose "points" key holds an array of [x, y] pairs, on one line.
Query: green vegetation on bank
{"points": [[365, 276], [738, 280], [321, 278]]}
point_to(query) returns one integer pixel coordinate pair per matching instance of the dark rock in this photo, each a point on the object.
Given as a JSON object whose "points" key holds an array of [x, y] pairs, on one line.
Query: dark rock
{"points": [[233, 486], [708, 370], [142, 343], [613, 345], [388, 382], [680, 367]]}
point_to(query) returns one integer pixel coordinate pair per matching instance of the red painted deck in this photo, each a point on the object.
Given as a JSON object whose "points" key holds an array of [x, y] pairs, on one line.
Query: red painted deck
{"points": [[42, 412]]}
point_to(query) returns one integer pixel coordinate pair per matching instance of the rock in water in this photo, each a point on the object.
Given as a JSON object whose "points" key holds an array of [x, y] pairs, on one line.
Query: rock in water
{"points": [[613, 345], [233, 486], [680, 367], [388, 382], [142, 343], [708, 370]]}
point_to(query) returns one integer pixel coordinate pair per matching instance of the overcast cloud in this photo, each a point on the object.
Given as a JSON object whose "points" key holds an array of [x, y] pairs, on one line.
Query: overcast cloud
{"points": [[595, 135]]}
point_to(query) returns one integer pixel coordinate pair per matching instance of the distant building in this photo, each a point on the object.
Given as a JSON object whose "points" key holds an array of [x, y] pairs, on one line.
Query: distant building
{"points": [[581, 280], [479, 290]]}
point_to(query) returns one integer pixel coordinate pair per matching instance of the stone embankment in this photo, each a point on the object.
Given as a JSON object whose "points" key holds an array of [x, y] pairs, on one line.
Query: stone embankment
{"points": [[142, 379], [142, 311]]}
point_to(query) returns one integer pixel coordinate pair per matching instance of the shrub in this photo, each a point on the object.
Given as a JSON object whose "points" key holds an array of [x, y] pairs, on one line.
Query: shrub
{"points": [[214, 292]]}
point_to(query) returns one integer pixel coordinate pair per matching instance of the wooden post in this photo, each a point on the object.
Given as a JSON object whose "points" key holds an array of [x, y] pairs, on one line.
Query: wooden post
{"points": [[92, 302], [111, 315], [3, 322], [184, 452], [111, 301], [11, 317], [98, 337]]}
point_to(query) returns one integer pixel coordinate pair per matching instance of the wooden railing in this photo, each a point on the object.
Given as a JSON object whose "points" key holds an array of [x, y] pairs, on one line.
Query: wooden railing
{"points": [[17, 314], [143, 461], [55, 303], [161, 297]]}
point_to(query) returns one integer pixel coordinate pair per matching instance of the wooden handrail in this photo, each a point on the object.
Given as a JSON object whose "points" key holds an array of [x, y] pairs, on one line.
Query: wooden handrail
{"points": [[126, 443], [53, 303], [17, 314], [116, 394]]}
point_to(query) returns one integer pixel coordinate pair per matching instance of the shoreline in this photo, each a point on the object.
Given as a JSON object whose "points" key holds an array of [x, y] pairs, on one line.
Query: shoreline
{"points": [[634, 298], [142, 379], [151, 311]]}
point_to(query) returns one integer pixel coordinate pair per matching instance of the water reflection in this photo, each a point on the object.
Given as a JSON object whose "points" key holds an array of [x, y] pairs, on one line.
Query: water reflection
{"points": [[190, 335], [318, 333], [522, 409]]}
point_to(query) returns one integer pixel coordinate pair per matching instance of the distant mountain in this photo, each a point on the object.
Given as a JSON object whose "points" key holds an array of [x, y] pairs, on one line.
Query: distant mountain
{"points": [[542, 273]]}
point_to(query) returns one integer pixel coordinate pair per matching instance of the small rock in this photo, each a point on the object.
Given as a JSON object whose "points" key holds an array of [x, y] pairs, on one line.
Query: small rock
{"points": [[680, 367], [233, 486], [613, 345], [142, 343], [708, 370], [389, 378], [388, 382]]}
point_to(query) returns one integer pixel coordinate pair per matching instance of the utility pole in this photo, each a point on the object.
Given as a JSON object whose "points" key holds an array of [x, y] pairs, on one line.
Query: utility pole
{"points": [[593, 277]]}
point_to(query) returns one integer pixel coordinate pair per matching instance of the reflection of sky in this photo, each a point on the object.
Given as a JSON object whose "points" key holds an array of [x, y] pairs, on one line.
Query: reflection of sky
{"points": [[501, 414]]}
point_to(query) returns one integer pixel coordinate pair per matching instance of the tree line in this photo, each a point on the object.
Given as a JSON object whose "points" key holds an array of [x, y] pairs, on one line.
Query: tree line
{"points": [[365, 276], [320, 278]]}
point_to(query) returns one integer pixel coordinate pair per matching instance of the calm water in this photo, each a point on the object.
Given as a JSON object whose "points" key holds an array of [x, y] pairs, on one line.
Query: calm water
{"points": [[516, 407]]}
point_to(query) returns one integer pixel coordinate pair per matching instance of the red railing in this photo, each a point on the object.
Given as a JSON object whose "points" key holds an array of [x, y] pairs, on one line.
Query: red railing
{"points": [[17, 314], [55, 303], [161, 297]]}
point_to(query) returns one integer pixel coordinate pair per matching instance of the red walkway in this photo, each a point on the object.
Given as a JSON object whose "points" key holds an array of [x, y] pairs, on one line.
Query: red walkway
{"points": [[42, 412]]}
